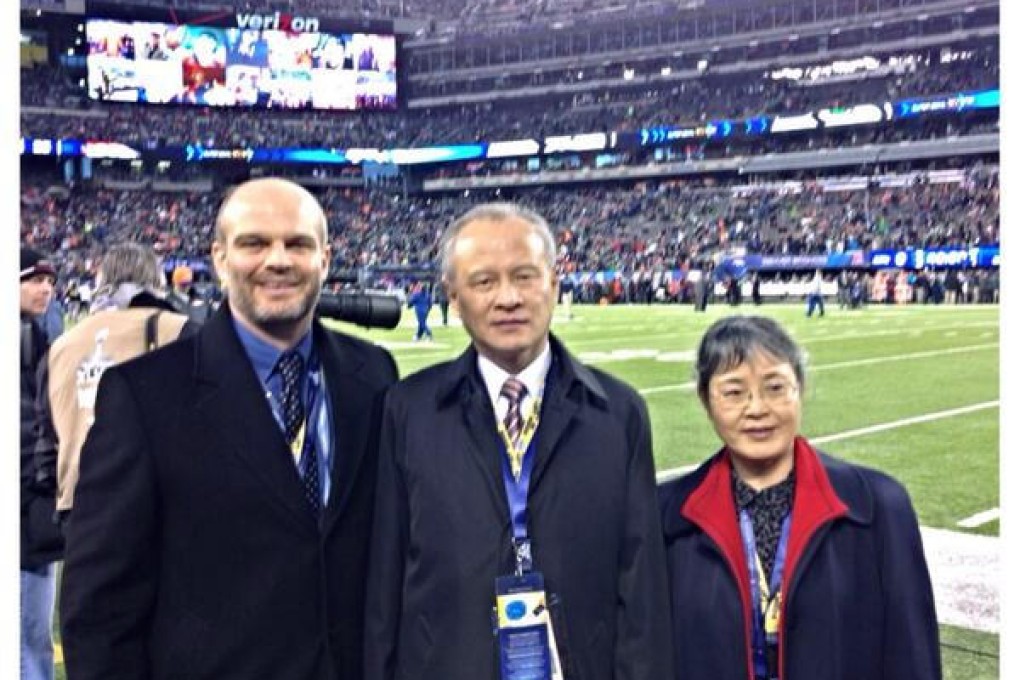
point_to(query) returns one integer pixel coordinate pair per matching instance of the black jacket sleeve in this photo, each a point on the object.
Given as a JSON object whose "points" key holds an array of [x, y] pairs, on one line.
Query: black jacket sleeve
{"points": [[46, 440], [112, 559], [386, 561]]}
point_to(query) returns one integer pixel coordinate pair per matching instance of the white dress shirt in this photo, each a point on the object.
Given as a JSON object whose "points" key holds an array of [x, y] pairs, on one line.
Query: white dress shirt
{"points": [[533, 377]]}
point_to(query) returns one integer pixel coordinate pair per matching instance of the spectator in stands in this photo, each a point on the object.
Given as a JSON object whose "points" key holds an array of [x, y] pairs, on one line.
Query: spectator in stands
{"points": [[41, 543], [819, 560], [130, 317], [459, 444], [229, 477]]}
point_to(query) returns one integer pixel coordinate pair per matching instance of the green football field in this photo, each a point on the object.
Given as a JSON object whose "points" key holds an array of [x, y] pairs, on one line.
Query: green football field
{"points": [[911, 390]]}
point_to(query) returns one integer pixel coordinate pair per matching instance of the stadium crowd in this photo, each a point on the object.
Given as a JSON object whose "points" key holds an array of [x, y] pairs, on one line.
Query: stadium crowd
{"points": [[649, 225], [687, 102]]}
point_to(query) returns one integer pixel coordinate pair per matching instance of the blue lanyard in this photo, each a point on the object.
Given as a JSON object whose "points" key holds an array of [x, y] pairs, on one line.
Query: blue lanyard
{"points": [[517, 490], [760, 602], [517, 497]]}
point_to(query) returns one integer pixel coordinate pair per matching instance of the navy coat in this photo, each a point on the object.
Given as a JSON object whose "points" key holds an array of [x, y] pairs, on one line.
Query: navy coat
{"points": [[857, 597], [442, 531]]}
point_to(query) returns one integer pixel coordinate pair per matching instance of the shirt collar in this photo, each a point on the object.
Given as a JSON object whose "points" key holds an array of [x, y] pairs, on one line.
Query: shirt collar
{"points": [[533, 376], [264, 356], [779, 495]]}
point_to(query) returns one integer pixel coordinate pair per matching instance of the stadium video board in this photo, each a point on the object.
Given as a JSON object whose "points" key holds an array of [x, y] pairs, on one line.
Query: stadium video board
{"points": [[255, 66]]}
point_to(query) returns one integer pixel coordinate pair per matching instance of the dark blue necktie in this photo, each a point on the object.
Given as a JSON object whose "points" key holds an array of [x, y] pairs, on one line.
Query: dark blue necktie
{"points": [[291, 367]]}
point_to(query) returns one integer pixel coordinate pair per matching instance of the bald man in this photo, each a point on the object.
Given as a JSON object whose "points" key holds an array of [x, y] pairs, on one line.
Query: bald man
{"points": [[226, 488]]}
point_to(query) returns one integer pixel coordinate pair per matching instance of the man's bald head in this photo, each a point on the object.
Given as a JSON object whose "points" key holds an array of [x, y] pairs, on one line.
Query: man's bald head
{"points": [[281, 194], [271, 257]]}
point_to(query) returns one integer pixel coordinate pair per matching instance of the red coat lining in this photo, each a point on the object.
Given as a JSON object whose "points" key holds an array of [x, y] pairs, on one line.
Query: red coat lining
{"points": [[712, 508]]}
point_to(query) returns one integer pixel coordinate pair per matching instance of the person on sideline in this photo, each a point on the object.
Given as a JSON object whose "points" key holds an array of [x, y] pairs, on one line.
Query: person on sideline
{"points": [[41, 542], [226, 487], [783, 561], [421, 300], [814, 295]]}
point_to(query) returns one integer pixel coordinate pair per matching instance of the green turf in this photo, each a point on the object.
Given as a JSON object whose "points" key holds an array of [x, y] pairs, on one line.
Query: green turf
{"points": [[968, 654]]}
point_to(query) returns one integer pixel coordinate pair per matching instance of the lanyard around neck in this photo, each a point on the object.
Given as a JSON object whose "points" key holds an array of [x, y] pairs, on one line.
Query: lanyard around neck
{"points": [[765, 592]]}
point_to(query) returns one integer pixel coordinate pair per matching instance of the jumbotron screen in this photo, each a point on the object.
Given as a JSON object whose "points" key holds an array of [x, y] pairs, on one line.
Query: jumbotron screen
{"points": [[134, 61]]}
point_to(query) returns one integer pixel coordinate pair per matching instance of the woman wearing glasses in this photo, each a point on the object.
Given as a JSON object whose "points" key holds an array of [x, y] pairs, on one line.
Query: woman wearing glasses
{"points": [[784, 562]]}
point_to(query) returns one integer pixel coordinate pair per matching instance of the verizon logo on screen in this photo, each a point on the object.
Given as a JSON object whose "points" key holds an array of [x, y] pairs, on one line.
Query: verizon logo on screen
{"points": [[278, 22]]}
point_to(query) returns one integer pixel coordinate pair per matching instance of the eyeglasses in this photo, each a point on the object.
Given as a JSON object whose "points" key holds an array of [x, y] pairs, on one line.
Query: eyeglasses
{"points": [[733, 397]]}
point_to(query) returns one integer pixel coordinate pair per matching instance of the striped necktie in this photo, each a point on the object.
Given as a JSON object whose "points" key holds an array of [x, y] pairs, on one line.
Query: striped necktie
{"points": [[291, 367], [513, 391]]}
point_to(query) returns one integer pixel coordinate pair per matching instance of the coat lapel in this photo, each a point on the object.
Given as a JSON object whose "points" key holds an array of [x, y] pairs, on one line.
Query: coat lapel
{"points": [[232, 408], [351, 414], [465, 391], [558, 415], [568, 387]]}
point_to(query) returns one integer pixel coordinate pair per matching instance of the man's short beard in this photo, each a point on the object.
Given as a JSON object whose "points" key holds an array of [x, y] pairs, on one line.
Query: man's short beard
{"points": [[277, 323]]}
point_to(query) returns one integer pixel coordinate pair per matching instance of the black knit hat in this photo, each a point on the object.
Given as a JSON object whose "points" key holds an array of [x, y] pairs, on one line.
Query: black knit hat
{"points": [[34, 262]]}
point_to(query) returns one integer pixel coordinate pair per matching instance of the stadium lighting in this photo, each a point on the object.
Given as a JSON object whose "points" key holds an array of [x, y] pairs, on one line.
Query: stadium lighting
{"points": [[666, 70], [628, 74], [702, 64]]}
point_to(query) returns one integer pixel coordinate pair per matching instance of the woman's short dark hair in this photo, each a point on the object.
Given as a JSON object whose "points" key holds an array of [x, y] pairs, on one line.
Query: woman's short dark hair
{"points": [[733, 340]]}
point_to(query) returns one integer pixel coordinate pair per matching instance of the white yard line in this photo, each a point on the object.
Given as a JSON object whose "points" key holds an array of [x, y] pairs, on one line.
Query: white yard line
{"points": [[847, 364], [672, 473], [912, 355], [882, 427], [807, 338], [909, 331], [980, 518], [667, 388]]}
